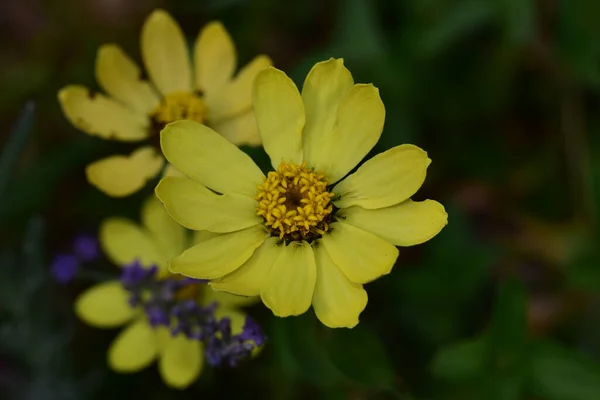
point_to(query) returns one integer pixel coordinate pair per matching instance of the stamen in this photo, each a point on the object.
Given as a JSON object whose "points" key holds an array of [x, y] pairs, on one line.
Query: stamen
{"points": [[180, 105], [294, 202]]}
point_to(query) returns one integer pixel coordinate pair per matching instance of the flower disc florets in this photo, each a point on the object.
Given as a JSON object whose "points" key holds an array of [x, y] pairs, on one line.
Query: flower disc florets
{"points": [[295, 203], [180, 105]]}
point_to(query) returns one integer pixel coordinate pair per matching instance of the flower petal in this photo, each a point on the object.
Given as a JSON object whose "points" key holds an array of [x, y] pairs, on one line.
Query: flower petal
{"points": [[215, 58], [169, 238], [240, 130], [219, 256], [405, 224], [227, 299], [386, 179], [101, 116], [119, 76], [249, 279], [337, 301], [196, 207], [123, 242], [181, 361], [291, 282], [362, 256], [104, 305], [358, 126], [165, 54], [200, 236], [235, 97], [324, 88], [134, 349], [170, 170], [205, 156], [121, 176], [280, 116]]}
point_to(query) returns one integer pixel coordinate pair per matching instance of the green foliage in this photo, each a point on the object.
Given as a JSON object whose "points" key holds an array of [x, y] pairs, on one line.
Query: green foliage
{"points": [[558, 373], [503, 95]]}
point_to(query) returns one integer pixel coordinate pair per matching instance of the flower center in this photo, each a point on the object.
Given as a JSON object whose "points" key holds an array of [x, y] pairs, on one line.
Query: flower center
{"points": [[180, 105], [295, 203]]}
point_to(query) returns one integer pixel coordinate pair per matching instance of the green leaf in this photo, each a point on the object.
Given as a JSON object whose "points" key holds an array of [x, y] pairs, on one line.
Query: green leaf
{"points": [[301, 352], [461, 20], [15, 144], [358, 34], [33, 188], [519, 17], [505, 386], [361, 357], [461, 361], [559, 373], [433, 308], [508, 326]]}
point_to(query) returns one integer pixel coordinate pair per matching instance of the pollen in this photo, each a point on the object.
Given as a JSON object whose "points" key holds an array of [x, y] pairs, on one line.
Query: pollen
{"points": [[295, 203], [180, 105]]}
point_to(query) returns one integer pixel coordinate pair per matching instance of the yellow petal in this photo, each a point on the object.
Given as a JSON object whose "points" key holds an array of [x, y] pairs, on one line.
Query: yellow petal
{"points": [[104, 305], [280, 116], [235, 97], [119, 76], [219, 256], [169, 238], [101, 116], [134, 349], [181, 361], [123, 242], [386, 179], [249, 279], [200, 236], [337, 301], [240, 130], [165, 54], [362, 256], [215, 58], [170, 170], [121, 176], [405, 224], [324, 88], [196, 207], [291, 283], [227, 299], [205, 156], [358, 126]]}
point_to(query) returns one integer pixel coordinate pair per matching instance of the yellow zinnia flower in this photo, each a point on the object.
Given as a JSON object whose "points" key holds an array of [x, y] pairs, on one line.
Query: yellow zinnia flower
{"points": [[295, 237], [106, 305], [137, 110]]}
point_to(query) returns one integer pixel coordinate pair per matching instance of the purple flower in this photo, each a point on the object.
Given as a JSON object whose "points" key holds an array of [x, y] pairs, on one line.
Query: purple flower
{"points": [[253, 332], [157, 316], [86, 247], [231, 349], [134, 274], [64, 267]]}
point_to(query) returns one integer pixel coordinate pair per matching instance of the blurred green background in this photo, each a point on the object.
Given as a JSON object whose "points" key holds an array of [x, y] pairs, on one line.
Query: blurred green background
{"points": [[505, 97]]}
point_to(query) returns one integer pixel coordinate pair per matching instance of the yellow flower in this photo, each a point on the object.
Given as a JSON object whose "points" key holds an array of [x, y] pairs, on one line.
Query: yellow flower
{"points": [[295, 237], [136, 110], [180, 360]]}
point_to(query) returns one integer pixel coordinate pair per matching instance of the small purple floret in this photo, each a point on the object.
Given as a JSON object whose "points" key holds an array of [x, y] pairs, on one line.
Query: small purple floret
{"points": [[64, 267], [86, 247]]}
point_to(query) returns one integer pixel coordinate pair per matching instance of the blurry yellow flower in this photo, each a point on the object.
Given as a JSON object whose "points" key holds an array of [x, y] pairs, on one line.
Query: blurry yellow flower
{"points": [[106, 305], [136, 110], [293, 237]]}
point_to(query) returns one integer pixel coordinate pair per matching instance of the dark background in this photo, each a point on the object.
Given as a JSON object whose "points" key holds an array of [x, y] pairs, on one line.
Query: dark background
{"points": [[502, 304]]}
